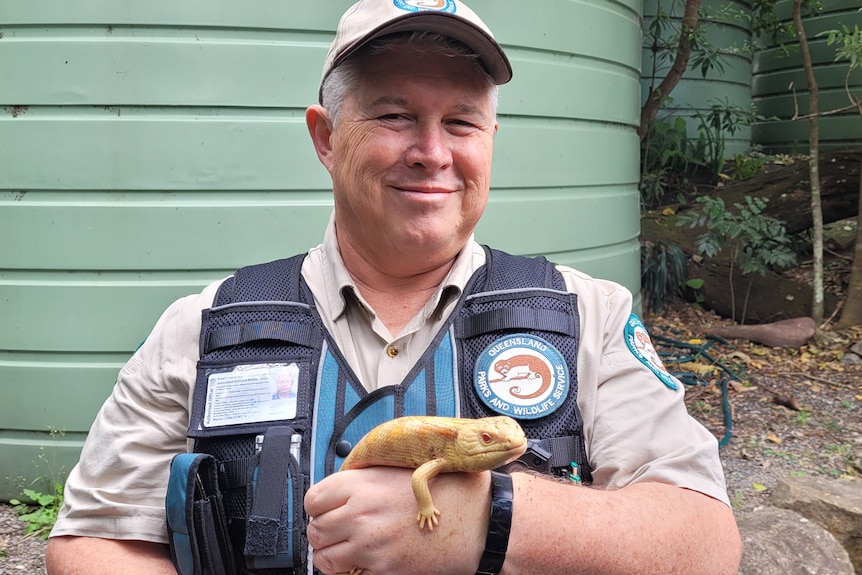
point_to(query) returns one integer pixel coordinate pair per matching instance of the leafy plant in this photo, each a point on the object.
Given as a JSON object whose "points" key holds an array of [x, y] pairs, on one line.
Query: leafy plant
{"points": [[695, 284], [41, 515], [722, 119], [663, 273], [755, 242], [39, 508]]}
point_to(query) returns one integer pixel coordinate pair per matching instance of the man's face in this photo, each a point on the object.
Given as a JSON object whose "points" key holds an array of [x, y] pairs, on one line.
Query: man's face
{"points": [[411, 157]]}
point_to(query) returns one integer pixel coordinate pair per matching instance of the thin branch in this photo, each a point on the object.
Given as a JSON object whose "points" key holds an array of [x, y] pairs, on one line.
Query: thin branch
{"points": [[815, 378]]}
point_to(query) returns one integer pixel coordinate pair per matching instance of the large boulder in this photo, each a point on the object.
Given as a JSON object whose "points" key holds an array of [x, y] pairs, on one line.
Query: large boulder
{"points": [[782, 542], [834, 504]]}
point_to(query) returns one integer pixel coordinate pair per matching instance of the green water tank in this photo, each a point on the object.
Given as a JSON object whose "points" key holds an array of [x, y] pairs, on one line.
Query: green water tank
{"points": [[147, 148], [780, 86], [726, 26]]}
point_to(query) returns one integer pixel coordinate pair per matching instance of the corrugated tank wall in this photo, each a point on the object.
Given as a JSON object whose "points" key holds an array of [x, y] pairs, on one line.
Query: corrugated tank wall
{"points": [[727, 27], [147, 148], [780, 86]]}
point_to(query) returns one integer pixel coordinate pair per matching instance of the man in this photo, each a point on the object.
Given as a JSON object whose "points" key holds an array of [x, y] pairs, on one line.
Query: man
{"points": [[406, 127]]}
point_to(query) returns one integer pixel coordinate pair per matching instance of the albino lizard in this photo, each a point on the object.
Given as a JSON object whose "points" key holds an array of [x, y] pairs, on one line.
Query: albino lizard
{"points": [[435, 445]]}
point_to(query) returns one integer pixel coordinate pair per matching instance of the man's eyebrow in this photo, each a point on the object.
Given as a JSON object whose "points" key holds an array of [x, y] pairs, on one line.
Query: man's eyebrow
{"points": [[388, 101]]}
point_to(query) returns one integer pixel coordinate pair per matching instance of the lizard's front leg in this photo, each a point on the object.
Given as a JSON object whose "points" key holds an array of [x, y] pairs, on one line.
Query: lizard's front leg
{"points": [[423, 474]]}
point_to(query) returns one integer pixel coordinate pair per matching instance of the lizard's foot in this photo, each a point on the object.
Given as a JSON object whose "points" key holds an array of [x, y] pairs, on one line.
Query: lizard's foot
{"points": [[429, 517]]}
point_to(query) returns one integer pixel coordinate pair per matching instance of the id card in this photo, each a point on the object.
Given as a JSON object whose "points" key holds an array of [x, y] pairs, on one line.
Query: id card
{"points": [[251, 394]]}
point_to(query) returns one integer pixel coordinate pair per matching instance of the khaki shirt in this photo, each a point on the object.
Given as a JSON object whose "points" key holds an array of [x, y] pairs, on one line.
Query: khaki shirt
{"points": [[636, 428]]}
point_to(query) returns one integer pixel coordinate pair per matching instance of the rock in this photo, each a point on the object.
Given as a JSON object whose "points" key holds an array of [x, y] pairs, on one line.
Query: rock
{"points": [[834, 504], [782, 542], [857, 348], [794, 332], [851, 359]]}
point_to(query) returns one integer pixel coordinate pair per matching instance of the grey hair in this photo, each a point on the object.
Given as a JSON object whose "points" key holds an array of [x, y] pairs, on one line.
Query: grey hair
{"points": [[346, 77]]}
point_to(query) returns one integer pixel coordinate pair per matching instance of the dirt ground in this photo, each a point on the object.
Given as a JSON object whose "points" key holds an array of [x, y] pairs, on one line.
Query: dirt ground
{"points": [[789, 412]]}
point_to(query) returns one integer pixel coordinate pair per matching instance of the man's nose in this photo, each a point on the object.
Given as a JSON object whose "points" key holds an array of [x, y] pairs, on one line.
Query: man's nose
{"points": [[430, 148]]}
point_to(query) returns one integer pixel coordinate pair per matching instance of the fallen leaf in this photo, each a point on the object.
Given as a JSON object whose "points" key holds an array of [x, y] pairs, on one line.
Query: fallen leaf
{"points": [[668, 212], [773, 438], [758, 486], [738, 355], [698, 368], [738, 386]]}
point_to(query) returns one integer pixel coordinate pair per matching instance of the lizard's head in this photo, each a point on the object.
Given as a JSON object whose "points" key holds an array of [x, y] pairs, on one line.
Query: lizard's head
{"points": [[491, 441]]}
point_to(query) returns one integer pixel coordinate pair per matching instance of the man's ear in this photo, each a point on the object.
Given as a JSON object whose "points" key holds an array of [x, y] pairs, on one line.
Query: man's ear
{"points": [[320, 129]]}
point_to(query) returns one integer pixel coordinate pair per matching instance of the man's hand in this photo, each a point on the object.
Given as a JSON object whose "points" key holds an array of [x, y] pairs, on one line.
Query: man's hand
{"points": [[366, 518]]}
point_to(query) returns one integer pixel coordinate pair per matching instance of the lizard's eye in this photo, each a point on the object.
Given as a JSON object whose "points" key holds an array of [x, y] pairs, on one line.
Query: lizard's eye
{"points": [[486, 437]]}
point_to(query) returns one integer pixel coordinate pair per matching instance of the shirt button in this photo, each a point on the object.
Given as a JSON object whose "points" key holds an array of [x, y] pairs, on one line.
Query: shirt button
{"points": [[392, 351]]}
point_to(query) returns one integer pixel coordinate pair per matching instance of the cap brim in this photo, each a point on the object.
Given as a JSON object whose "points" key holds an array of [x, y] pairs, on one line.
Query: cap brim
{"points": [[490, 53]]}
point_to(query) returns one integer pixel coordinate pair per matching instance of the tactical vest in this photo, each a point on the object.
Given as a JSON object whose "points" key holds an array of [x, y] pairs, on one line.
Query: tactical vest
{"points": [[235, 503]]}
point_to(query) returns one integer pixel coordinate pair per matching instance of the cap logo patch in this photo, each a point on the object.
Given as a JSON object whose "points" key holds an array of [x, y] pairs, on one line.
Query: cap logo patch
{"points": [[420, 5], [522, 376], [639, 343]]}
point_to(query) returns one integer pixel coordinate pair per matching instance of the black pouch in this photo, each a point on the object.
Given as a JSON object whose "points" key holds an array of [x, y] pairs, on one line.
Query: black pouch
{"points": [[197, 528], [275, 538]]}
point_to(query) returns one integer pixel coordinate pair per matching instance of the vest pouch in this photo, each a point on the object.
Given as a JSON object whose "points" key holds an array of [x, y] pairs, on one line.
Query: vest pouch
{"points": [[275, 537], [197, 528]]}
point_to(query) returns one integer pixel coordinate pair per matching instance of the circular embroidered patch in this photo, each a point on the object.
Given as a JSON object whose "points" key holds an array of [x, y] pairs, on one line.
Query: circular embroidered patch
{"points": [[638, 341], [522, 376], [420, 5]]}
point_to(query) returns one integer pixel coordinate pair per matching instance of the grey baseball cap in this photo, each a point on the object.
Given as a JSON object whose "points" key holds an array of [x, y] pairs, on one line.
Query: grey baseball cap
{"points": [[370, 19]]}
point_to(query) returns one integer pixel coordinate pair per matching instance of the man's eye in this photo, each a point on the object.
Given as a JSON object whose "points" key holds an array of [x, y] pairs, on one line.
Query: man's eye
{"points": [[461, 125]]}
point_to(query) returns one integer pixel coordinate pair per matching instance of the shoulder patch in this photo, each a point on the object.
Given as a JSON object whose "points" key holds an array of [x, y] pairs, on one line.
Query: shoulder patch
{"points": [[639, 343]]}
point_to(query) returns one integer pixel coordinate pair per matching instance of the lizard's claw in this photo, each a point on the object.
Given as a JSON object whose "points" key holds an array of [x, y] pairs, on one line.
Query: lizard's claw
{"points": [[428, 517]]}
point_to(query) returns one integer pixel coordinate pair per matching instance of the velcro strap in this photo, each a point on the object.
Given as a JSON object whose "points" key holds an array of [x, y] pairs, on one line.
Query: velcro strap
{"points": [[233, 335], [270, 493], [518, 318]]}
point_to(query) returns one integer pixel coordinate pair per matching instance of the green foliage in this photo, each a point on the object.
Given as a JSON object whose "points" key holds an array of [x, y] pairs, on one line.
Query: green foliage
{"points": [[669, 158], [756, 242], [720, 120], [695, 284], [848, 44], [663, 273], [748, 165], [37, 508], [41, 515]]}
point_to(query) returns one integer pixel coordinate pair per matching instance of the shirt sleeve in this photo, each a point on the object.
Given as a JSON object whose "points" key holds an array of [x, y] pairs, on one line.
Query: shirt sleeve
{"points": [[117, 489], [636, 425]]}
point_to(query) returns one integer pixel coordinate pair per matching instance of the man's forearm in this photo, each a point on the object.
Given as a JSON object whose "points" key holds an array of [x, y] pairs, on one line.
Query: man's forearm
{"points": [[644, 528], [94, 556]]}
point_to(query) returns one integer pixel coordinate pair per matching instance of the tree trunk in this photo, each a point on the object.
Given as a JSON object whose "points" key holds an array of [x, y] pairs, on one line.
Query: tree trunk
{"points": [[656, 97], [813, 165]]}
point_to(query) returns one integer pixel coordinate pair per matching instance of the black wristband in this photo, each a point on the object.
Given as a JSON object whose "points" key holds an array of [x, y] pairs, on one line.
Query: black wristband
{"points": [[499, 524]]}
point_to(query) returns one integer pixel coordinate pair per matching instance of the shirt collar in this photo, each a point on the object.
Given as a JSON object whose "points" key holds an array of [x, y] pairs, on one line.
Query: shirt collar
{"points": [[340, 287]]}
